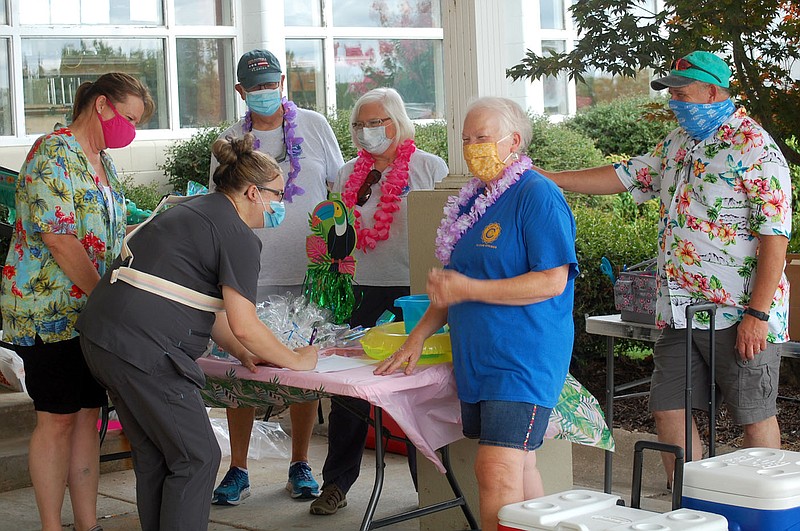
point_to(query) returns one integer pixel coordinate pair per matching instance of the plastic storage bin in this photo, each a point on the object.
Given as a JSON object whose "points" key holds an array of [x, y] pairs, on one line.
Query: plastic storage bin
{"points": [[584, 510], [754, 488]]}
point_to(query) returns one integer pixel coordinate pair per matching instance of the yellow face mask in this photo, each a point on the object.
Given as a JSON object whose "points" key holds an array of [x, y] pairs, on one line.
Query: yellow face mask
{"points": [[483, 160]]}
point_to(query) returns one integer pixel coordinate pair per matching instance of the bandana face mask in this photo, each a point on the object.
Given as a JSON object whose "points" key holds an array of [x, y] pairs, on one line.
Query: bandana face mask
{"points": [[483, 160], [701, 120]]}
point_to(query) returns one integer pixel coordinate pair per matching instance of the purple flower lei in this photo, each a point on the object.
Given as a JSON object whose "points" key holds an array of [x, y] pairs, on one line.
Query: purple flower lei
{"points": [[453, 225], [293, 147]]}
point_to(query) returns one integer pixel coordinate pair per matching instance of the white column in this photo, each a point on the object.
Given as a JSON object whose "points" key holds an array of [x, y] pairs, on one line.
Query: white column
{"points": [[473, 64], [262, 28]]}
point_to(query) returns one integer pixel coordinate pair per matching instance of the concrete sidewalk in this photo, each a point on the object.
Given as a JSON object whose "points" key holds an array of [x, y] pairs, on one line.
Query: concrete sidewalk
{"points": [[270, 507]]}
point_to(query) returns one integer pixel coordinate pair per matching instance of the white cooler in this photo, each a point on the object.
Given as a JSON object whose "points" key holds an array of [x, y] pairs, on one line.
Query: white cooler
{"points": [[754, 488], [584, 510]]}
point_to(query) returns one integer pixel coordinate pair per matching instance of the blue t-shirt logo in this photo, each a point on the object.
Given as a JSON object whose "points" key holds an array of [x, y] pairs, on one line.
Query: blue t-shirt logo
{"points": [[491, 233]]}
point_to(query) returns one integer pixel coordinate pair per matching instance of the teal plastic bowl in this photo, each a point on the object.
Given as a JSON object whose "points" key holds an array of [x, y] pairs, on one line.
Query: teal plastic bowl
{"points": [[413, 307]]}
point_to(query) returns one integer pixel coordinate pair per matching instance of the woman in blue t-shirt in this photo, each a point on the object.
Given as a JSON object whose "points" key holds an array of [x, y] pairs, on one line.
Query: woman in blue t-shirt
{"points": [[507, 242]]}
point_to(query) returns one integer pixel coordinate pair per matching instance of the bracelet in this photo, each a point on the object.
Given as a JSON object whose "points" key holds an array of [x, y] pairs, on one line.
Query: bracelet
{"points": [[758, 315]]}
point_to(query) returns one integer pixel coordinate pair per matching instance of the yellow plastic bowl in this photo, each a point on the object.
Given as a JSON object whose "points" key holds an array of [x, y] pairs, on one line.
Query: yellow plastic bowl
{"points": [[382, 341]]}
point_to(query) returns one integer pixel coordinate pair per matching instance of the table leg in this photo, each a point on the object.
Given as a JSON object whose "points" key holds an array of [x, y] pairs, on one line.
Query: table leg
{"points": [[380, 465], [609, 457]]}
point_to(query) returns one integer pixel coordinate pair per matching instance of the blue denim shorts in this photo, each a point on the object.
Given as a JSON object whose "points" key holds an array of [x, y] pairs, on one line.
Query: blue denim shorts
{"points": [[518, 425]]}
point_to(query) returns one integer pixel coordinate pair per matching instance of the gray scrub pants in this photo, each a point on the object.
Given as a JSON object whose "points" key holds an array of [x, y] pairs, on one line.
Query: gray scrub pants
{"points": [[175, 454]]}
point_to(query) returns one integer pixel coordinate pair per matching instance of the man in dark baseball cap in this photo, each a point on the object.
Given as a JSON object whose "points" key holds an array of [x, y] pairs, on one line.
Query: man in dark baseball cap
{"points": [[258, 67]]}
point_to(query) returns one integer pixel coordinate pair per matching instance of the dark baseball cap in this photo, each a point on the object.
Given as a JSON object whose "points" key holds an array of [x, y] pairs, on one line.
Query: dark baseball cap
{"points": [[697, 66], [257, 67]]}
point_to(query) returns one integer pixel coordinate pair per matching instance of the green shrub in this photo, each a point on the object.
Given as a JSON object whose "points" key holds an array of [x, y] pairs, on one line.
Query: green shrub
{"points": [[555, 147], [190, 159], [145, 196], [340, 123], [620, 126], [624, 242], [432, 137]]}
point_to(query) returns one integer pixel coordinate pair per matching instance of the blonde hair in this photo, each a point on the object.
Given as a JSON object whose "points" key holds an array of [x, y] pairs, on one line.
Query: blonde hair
{"points": [[241, 165]]}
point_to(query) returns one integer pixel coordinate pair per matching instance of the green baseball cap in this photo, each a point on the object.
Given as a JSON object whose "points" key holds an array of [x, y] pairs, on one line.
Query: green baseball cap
{"points": [[257, 67], [697, 66]]}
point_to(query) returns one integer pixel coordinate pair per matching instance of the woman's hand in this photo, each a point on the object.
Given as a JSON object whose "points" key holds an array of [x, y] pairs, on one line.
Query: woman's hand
{"points": [[308, 356], [247, 359], [446, 287], [409, 352]]}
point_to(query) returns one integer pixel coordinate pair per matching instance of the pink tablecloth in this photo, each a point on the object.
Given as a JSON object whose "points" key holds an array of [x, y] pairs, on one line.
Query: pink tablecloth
{"points": [[424, 404]]}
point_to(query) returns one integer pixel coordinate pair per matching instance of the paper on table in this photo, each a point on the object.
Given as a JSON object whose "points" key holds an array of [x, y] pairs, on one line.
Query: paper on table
{"points": [[335, 363]]}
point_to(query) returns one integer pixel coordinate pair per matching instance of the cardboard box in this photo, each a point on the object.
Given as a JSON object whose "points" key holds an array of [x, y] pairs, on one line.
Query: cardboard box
{"points": [[793, 275]]}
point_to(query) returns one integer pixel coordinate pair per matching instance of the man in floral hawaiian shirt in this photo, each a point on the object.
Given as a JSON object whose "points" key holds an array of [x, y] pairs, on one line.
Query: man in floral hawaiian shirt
{"points": [[725, 221]]}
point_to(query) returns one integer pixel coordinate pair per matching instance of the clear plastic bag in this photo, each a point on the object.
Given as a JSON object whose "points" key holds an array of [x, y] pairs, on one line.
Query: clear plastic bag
{"points": [[12, 370], [267, 439]]}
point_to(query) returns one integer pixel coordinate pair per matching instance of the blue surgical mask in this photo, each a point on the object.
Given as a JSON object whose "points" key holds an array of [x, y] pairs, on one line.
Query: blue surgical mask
{"points": [[374, 139], [274, 218], [701, 120], [264, 102]]}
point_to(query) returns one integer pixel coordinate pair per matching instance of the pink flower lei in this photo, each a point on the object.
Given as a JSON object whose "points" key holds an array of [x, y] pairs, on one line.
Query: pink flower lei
{"points": [[394, 184], [454, 224], [293, 148]]}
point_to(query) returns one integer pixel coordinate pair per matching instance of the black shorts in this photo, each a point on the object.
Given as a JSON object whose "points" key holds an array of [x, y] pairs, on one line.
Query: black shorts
{"points": [[58, 379]]}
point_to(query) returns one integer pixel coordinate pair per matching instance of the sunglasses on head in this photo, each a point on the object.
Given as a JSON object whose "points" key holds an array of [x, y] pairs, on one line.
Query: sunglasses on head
{"points": [[684, 64], [365, 191]]}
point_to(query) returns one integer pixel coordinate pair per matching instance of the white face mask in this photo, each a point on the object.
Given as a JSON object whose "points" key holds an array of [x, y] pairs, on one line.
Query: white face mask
{"points": [[374, 139]]}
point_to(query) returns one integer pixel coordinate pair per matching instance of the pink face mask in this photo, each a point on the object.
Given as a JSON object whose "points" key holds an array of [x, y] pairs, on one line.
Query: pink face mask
{"points": [[118, 132]]}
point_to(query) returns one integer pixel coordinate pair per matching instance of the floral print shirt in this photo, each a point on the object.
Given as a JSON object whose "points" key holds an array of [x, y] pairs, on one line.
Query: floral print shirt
{"points": [[57, 192], [716, 197]]}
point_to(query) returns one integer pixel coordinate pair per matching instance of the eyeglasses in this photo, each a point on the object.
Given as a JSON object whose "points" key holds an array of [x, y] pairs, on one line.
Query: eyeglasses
{"points": [[272, 85], [279, 193], [365, 191], [377, 122], [684, 64]]}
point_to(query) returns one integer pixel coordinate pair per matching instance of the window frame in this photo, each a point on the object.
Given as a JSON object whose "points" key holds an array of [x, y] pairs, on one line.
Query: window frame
{"points": [[328, 34], [168, 33]]}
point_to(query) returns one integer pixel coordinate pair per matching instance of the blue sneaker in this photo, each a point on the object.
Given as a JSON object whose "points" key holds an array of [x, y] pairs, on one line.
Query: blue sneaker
{"points": [[301, 484], [235, 487]]}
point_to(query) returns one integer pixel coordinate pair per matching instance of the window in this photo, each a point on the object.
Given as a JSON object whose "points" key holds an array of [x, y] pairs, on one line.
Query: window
{"points": [[302, 13], [205, 86], [188, 65], [551, 14], [387, 13], [53, 69], [86, 12], [6, 110], [3, 13], [406, 65], [202, 12], [305, 78], [555, 87], [339, 49]]}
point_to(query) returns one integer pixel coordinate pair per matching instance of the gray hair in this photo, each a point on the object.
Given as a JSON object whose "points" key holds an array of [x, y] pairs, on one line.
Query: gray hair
{"points": [[511, 117], [392, 103]]}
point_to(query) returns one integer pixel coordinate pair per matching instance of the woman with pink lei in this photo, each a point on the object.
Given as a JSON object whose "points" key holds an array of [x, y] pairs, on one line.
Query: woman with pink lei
{"points": [[376, 185], [507, 242]]}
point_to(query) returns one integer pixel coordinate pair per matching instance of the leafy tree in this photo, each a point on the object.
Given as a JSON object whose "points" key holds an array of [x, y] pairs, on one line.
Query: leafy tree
{"points": [[760, 39]]}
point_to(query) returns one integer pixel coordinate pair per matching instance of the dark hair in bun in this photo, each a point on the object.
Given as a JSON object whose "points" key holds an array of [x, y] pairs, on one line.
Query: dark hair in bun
{"points": [[240, 165]]}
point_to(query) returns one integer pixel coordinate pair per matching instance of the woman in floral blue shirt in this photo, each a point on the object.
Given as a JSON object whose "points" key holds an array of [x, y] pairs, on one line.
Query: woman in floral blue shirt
{"points": [[70, 225]]}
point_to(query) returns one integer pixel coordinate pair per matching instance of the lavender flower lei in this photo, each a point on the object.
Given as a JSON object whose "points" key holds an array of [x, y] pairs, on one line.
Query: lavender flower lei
{"points": [[454, 224], [293, 147]]}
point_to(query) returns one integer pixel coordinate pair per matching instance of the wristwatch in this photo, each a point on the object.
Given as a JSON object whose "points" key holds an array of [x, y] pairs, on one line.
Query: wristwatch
{"points": [[758, 315]]}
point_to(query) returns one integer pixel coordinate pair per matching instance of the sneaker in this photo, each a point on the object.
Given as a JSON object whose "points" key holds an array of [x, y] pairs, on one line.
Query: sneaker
{"points": [[301, 484], [235, 487], [331, 500]]}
